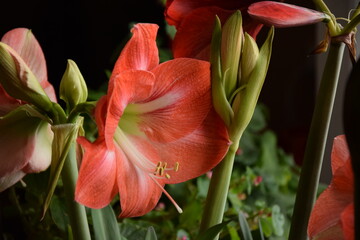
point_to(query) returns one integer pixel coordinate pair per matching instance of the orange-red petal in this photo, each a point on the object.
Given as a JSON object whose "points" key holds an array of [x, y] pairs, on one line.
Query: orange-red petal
{"points": [[141, 52], [96, 185], [138, 190], [340, 154], [347, 222], [193, 36], [179, 102], [325, 219], [176, 10], [128, 86], [198, 152]]}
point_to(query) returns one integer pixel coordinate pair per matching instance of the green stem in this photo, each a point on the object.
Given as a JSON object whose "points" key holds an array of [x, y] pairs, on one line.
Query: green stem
{"points": [[77, 213], [332, 25], [310, 173], [86, 107], [351, 25], [355, 12], [218, 191]]}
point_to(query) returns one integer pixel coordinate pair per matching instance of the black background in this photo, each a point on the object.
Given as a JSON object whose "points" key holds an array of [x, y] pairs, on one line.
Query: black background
{"points": [[88, 32]]}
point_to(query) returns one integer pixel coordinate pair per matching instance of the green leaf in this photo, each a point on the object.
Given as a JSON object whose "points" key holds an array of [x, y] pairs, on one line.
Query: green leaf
{"points": [[266, 226], [244, 227], [202, 184], [233, 233], [261, 232], [151, 234], [213, 231], [132, 231], [58, 214], [105, 224], [191, 214]]}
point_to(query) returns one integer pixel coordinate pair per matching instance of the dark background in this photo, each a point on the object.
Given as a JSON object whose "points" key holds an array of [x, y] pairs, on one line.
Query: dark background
{"points": [[88, 32]]}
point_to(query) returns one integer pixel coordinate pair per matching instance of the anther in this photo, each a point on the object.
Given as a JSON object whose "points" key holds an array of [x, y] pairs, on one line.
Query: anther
{"points": [[176, 168]]}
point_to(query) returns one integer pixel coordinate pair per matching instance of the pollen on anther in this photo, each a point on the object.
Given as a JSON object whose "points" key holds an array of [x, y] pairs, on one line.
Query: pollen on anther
{"points": [[167, 176], [176, 168], [161, 171]]}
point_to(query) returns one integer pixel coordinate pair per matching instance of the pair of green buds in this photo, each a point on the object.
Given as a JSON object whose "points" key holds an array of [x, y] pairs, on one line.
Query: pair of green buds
{"points": [[238, 72]]}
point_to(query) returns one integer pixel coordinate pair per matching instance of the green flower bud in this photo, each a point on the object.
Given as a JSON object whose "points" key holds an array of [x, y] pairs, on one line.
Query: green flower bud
{"points": [[249, 57], [245, 101], [19, 81], [231, 43], [73, 89]]}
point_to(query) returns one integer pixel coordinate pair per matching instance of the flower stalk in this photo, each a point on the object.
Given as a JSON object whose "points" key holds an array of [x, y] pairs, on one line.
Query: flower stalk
{"points": [[218, 191], [76, 211], [234, 98], [310, 173]]}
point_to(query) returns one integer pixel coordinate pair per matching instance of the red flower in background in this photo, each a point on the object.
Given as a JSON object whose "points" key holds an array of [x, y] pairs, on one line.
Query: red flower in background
{"points": [[194, 22], [333, 213]]}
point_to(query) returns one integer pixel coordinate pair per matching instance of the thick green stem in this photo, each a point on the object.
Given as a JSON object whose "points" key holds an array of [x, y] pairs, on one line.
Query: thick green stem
{"points": [[218, 191], [76, 212], [310, 173]]}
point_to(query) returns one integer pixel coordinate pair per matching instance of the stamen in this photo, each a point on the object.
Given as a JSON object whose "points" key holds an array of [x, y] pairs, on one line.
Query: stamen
{"points": [[161, 168], [168, 195]]}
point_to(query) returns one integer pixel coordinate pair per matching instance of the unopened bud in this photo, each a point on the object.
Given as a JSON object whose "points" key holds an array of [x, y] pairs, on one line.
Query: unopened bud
{"points": [[231, 43], [249, 57], [19, 81], [73, 89], [245, 100]]}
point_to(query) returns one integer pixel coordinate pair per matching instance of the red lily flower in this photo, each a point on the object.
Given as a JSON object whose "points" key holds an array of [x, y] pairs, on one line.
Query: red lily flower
{"points": [[156, 126], [194, 21], [333, 213], [25, 141]]}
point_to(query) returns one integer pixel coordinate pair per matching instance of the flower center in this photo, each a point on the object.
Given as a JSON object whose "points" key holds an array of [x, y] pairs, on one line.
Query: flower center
{"points": [[141, 161]]}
